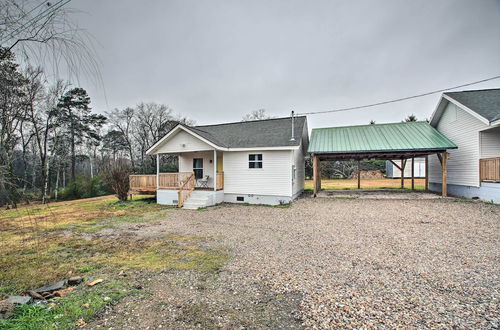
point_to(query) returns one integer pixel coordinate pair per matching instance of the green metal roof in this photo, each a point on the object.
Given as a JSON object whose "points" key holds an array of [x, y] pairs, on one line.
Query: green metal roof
{"points": [[394, 137]]}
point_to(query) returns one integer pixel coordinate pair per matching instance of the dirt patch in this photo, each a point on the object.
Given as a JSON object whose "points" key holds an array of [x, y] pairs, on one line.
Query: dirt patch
{"points": [[181, 300]]}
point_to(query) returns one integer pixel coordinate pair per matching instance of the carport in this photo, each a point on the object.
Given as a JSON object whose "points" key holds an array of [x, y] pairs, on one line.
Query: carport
{"points": [[394, 141]]}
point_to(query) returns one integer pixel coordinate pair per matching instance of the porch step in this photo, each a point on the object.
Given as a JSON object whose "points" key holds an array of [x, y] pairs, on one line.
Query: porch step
{"points": [[195, 202]]}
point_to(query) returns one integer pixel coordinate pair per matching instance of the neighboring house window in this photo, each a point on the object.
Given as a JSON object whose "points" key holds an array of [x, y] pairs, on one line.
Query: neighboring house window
{"points": [[198, 168], [255, 161]]}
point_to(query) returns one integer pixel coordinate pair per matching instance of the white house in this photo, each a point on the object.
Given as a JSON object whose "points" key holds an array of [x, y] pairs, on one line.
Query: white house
{"points": [[391, 171], [471, 119], [256, 162]]}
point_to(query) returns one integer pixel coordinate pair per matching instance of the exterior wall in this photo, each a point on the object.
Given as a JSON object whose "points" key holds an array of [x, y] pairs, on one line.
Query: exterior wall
{"points": [[273, 179], [300, 173], [167, 197], [186, 163], [488, 191], [463, 163], [490, 143], [393, 172], [183, 142], [170, 197], [257, 199]]}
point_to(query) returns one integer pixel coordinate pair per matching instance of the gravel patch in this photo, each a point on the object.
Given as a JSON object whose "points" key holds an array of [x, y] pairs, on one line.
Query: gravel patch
{"points": [[329, 262]]}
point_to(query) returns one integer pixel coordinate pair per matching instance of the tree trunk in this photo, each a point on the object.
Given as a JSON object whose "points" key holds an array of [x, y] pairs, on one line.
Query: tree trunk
{"points": [[73, 155], [91, 168], [46, 182], [56, 191]]}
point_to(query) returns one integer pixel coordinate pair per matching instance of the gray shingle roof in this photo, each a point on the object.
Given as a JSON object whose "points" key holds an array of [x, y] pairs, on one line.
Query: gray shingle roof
{"points": [[485, 103], [274, 132]]}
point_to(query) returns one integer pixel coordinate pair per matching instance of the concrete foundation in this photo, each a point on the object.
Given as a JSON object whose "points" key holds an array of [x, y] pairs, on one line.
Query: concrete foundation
{"points": [[488, 191]]}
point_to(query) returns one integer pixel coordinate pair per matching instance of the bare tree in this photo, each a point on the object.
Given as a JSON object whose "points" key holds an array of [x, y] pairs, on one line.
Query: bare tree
{"points": [[44, 33], [256, 115], [122, 121]]}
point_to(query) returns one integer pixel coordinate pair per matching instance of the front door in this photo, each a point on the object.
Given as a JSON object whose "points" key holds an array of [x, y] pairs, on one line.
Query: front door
{"points": [[198, 168]]}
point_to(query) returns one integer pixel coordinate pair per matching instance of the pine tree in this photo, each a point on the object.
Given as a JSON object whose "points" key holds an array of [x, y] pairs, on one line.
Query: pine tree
{"points": [[74, 114]]}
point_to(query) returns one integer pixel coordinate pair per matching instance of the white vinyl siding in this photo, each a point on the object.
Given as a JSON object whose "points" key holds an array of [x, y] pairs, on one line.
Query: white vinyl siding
{"points": [[490, 143], [419, 171], [463, 164], [182, 142], [274, 178], [186, 163]]}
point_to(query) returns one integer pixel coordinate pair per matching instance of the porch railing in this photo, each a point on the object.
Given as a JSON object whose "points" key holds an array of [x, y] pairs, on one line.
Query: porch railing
{"points": [[489, 169], [147, 183], [185, 190], [142, 182], [173, 180]]}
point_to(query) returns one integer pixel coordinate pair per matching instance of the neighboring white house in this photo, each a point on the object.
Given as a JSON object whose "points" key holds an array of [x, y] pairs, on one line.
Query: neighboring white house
{"points": [[392, 171], [256, 162], [471, 119]]}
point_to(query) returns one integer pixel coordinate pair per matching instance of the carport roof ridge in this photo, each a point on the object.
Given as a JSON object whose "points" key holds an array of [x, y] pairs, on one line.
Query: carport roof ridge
{"points": [[391, 137]]}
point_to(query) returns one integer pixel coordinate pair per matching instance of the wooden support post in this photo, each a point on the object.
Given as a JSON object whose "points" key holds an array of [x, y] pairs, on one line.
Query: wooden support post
{"points": [[403, 165], [413, 173], [157, 171], [215, 170], [315, 174], [359, 174], [426, 173], [444, 185]]}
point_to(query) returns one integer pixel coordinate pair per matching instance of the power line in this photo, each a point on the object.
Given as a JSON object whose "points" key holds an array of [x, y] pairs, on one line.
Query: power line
{"points": [[399, 99]]}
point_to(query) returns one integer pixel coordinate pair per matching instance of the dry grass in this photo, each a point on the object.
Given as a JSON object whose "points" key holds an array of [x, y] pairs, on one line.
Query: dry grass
{"points": [[44, 243], [344, 184]]}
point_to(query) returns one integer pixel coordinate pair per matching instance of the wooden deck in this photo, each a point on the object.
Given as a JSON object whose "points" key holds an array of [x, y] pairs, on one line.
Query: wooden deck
{"points": [[148, 184]]}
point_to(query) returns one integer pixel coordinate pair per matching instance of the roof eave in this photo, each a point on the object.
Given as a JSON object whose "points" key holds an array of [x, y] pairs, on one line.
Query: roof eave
{"points": [[379, 151]]}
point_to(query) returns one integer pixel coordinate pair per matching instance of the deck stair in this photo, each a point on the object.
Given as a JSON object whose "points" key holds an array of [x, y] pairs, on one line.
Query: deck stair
{"points": [[198, 199]]}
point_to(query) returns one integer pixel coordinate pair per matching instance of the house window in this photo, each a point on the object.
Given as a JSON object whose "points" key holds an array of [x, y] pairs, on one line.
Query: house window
{"points": [[255, 161], [198, 168]]}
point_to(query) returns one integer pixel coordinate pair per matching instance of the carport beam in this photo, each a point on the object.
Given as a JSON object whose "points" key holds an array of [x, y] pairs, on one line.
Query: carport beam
{"points": [[403, 165], [444, 185], [426, 173], [315, 174], [413, 173], [359, 174]]}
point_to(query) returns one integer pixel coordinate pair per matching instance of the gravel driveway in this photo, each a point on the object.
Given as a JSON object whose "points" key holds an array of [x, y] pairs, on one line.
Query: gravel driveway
{"points": [[331, 263]]}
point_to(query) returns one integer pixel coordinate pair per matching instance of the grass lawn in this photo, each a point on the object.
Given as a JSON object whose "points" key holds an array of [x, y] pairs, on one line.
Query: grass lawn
{"points": [[346, 184], [42, 244]]}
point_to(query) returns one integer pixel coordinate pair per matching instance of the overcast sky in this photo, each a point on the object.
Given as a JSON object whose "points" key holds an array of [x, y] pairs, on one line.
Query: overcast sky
{"points": [[215, 61]]}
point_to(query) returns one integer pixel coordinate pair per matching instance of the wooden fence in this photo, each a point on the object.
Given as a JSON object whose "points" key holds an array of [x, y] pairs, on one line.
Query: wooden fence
{"points": [[489, 169]]}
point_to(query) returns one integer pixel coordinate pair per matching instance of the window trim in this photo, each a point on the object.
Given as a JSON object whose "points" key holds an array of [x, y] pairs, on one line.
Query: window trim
{"points": [[257, 159], [198, 168]]}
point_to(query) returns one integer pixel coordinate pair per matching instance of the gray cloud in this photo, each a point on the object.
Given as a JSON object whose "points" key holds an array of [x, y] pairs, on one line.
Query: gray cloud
{"points": [[214, 61]]}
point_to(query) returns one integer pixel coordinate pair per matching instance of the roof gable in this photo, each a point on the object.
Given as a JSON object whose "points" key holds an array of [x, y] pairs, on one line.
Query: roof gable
{"points": [[407, 136], [485, 103], [482, 104]]}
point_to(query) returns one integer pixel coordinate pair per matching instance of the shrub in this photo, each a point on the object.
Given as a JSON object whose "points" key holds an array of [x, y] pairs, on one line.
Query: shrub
{"points": [[116, 174]]}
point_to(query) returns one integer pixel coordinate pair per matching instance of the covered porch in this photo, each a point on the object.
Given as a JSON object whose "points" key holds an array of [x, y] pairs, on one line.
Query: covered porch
{"points": [[198, 170]]}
